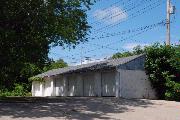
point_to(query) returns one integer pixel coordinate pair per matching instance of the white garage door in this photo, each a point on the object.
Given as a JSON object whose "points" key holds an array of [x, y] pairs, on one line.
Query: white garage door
{"points": [[61, 87], [71, 86], [108, 84], [75, 86], [47, 88], [89, 85], [37, 89]]}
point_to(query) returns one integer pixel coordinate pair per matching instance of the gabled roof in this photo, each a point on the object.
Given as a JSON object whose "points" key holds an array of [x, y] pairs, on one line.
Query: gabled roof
{"points": [[91, 66]]}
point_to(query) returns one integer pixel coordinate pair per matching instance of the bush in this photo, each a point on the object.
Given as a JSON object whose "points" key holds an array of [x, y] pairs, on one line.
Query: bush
{"points": [[5, 93], [172, 88], [19, 90], [163, 67]]}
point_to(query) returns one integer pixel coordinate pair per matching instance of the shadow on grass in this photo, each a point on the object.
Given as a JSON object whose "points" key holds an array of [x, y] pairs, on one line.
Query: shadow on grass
{"points": [[69, 108]]}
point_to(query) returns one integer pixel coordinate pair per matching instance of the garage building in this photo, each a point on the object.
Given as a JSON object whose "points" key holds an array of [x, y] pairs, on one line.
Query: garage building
{"points": [[123, 77]]}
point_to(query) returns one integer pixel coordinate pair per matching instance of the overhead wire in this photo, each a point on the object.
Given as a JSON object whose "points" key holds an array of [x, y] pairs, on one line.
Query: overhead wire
{"points": [[134, 15], [134, 35], [111, 5], [140, 31], [108, 9], [126, 9], [145, 29], [124, 32]]}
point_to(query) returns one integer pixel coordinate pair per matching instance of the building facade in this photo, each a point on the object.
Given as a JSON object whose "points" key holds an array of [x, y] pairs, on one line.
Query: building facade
{"points": [[124, 77]]}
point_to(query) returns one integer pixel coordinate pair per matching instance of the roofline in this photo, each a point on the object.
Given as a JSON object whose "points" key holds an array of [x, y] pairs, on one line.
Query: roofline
{"points": [[95, 63]]}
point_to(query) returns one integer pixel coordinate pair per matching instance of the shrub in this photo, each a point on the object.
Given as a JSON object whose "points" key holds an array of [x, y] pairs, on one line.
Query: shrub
{"points": [[163, 67], [19, 90], [4, 93]]}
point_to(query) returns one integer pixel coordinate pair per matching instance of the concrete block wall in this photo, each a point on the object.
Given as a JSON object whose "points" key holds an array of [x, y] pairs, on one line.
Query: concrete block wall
{"points": [[136, 64], [135, 84]]}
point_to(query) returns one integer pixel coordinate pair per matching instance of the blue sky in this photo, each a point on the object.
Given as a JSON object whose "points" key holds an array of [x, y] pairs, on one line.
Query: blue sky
{"points": [[120, 25]]}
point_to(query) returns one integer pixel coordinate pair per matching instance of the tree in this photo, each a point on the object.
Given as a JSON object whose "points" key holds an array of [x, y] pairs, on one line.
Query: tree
{"points": [[163, 68], [29, 28], [121, 55], [55, 65], [136, 51]]}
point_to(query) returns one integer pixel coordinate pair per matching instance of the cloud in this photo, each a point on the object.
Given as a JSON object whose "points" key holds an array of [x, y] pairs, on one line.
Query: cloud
{"points": [[130, 46], [110, 15]]}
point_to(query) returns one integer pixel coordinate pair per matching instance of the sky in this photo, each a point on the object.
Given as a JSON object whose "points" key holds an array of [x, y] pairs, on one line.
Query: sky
{"points": [[120, 25]]}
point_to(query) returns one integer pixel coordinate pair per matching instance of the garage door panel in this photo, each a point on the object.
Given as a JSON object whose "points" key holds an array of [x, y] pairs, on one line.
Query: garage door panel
{"points": [[89, 85], [47, 88], [75, 86], [71, 86], [37, 89], [79, 86], [108, 84], [61, 87]]}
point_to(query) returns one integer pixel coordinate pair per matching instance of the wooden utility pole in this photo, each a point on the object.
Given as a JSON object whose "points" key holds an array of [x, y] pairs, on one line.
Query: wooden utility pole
{"points": [[170, 10], [168, 23]]}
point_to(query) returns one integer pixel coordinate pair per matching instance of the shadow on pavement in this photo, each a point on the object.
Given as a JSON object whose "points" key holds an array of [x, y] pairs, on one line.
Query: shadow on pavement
{"points": [[70, 108]]}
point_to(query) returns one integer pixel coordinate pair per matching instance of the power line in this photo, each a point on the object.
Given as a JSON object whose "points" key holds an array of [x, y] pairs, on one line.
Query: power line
{"points": [[145, 29], [107, 35], [125, 32], [151, 6], [123, 39], [125, 10], [108, 9], [140, 31]]}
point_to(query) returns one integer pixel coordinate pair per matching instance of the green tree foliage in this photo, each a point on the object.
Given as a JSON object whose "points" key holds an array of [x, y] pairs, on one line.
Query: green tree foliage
{"points": [[163, 67], [121, 55], [55, 65], [136, 51], [29, 28], [159, 59]]}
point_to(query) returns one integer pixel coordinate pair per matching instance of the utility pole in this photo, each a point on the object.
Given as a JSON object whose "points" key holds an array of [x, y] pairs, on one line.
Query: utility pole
{"points": [[170, 10], [168, 23]]}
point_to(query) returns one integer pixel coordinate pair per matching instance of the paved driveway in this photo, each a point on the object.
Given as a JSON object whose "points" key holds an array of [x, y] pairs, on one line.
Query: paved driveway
{"points": [[91, 109]]}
